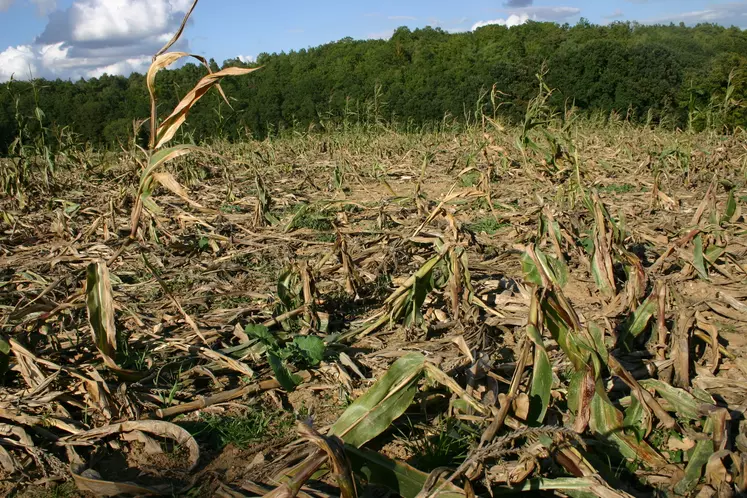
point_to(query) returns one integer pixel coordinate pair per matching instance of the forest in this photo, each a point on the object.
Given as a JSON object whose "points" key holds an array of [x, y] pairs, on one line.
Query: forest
{"points": [[669, 74]]}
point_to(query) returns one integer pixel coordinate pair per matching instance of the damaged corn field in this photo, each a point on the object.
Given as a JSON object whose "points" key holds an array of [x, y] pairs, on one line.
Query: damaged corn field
{"points": [[553, 308]]}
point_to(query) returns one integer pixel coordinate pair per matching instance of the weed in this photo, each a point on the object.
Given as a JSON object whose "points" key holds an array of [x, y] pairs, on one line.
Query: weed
{"points": [[470, 179], [64, 490], [488, 225], [617, 188], [326, 237], [240, 430], [446, 444], [308, 217]]}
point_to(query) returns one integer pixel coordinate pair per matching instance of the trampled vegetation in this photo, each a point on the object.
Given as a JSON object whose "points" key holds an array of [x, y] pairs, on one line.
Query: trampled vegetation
{"points": [[473, 309]]}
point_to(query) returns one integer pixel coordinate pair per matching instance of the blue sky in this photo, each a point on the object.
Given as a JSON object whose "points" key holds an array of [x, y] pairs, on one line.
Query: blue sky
{"points": [[85, 38]]}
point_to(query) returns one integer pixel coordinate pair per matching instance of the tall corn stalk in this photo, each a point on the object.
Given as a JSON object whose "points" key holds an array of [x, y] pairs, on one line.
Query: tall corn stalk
{"points": [[161, 134]]}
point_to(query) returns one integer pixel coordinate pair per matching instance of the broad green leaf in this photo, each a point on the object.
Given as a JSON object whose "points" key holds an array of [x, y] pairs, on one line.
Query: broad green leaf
{"points": [[731, 208], [713, 253], [384, 402], [531, 273], [636, 323], [607, 422], [539, 392], [404, 480], [262, 333], [635, 417], [698, 459], [681, 401], [312, 348], [559, 271], [562, 327], [698, 261], [287, 380]]}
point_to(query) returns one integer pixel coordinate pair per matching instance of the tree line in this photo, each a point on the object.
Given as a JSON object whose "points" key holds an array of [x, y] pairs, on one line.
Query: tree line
{"points": [[673, 74]]}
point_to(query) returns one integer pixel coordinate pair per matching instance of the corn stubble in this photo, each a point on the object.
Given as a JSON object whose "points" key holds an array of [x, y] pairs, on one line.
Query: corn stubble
{"points": [[593, 339]]}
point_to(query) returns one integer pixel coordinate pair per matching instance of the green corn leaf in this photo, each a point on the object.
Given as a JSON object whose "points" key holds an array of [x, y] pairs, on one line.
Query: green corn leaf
{"points": [[698, 261], [635, 417], [539, 392], [731, 208], [607, 422], [529, 268], [681, 401], [384, 402], [698, 460], [636, 323], [562, 327], [163, 156]]}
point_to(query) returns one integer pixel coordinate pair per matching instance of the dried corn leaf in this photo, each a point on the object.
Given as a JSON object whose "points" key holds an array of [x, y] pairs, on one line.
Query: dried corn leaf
{"points": [[169, 127], [100, 306]]}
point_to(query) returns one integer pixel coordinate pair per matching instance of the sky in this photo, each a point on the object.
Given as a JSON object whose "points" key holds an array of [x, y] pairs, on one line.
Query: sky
{"points": [[73, 39]]}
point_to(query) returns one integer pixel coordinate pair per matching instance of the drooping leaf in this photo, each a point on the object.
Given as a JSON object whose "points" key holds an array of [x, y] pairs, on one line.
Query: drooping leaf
{"points": [[703, 450], [680, 401], [607, 422], [636, 323], [635, 417], [530, 271], [373, 412], [163, 156], [285, 377], [169, 127], [539, 392], [100, 306], [698, 261], [731, 208]]}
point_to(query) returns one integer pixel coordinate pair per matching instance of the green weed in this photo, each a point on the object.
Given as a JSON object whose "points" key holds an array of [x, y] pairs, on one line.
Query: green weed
{"points": [[256, 424], [470, 179], [488, 225], [615, 188]]}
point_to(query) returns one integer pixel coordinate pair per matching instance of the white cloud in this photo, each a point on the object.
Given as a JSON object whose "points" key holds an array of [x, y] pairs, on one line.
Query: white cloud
{"points": [[520, 16], [381, 35], [5, 5], [93, 37], [727, 14], [617, 14], [19, 61], [402, 18], [246, 59], [44, 7], [510, 21], [548, 13]]}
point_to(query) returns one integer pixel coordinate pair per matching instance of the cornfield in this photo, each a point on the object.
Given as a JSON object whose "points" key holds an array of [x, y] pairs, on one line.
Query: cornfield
{"points": [[554, 307]]}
